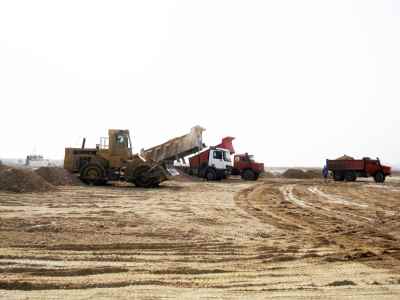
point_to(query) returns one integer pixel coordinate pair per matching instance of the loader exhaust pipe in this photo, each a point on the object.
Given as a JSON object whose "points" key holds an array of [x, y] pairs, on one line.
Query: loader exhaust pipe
{"points": [[83, 143]]}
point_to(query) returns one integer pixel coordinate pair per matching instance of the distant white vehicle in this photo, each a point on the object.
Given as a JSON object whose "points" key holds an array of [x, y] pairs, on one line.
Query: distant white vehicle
{"points": [[37, 161]]}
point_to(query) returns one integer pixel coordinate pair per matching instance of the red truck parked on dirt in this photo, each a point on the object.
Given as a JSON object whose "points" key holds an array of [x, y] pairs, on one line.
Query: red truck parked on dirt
{"points": [[350, 169], [215, 163], [244, 164]]}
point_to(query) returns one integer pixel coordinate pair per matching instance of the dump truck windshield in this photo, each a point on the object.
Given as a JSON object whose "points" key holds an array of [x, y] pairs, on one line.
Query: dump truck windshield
{"points": [[217, 155], [247, 158], [227, 156]]}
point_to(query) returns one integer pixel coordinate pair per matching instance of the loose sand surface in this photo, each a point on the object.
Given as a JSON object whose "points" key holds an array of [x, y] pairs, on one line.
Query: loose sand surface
{"points": [[274, 238]]}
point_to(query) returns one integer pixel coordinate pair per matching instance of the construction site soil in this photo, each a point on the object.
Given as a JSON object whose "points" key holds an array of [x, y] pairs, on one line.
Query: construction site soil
{"points": [[22, 181], [58, 176], [274, 238], [300, 174]]}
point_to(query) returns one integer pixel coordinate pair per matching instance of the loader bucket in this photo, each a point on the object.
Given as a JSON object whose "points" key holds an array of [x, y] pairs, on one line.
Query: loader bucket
{"points": [[146, 174]]}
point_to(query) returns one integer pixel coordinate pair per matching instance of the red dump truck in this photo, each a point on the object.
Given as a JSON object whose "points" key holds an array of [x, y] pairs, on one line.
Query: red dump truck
{"points": [[213, 164], [350, 169], [244, 164]]}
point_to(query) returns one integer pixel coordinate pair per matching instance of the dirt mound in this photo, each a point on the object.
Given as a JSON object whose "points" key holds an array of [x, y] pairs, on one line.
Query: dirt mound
{"points": [[345, 157], [267, 174], [57, 176], [183, 177], [300, 174], [22, 181], [314, 173]]}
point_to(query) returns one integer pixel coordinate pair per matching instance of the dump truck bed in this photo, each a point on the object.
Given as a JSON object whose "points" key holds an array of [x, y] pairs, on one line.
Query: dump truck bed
{"points": [[362, 166], [348, 164], [177, 148]]}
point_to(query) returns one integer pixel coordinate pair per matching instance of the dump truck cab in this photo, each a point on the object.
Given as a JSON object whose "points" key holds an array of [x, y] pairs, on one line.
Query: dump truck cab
{"points": [[220, 159], [213, 164]]}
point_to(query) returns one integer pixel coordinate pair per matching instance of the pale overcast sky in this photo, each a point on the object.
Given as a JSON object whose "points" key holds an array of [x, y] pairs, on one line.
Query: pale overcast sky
{"points": [[295, 81]]}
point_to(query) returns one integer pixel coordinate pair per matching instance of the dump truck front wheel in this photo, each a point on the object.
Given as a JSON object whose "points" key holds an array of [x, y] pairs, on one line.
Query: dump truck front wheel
{"points": [[211, 175], [379, 177], [93, 174]]}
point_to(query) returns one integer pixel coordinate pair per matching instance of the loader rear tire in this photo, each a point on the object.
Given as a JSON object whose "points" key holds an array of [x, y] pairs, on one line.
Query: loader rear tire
{"points": [[93, 174]]}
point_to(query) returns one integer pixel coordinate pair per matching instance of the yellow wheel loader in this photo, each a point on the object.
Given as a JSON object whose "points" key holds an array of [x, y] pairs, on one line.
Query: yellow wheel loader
{"points": [[111, 160]]}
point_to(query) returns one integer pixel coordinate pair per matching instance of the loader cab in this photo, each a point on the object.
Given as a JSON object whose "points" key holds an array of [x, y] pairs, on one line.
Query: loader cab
{"points": [[119, 146]]}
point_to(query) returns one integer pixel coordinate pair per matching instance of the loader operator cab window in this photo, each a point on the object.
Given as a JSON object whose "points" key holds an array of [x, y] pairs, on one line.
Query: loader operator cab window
{"points": [[123, 140], [120, 139]]}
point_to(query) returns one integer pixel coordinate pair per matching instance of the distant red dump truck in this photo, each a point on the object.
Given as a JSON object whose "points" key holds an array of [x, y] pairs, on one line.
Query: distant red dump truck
{"points": [[350, 169], [213, 163], [243, 164]]}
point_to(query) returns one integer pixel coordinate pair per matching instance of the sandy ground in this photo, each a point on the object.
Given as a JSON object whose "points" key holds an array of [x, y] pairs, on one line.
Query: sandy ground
{"points": [[297, 239]]}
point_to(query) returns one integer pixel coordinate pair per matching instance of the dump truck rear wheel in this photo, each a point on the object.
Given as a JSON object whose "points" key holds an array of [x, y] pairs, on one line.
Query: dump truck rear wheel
{"points": [[338, 176], [350, 176], [379, 177], [93, 174], [249, 175], [211, 175]]}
